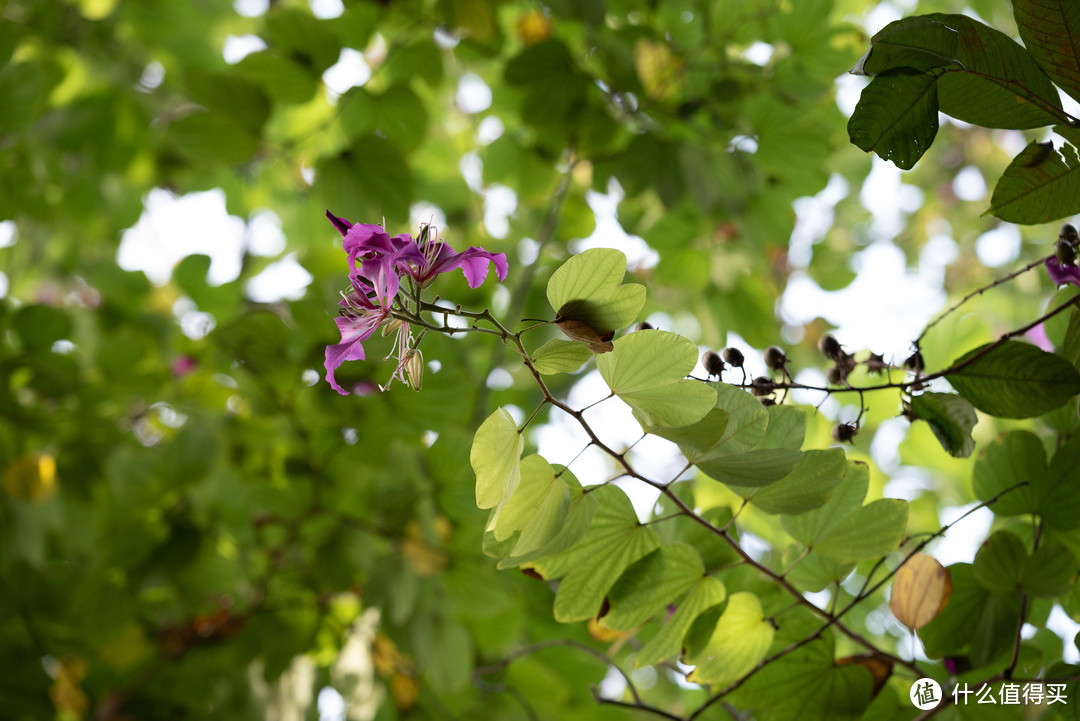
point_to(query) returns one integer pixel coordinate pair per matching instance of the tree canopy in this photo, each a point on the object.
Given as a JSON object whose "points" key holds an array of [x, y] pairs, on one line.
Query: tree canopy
{"points": [[483, 465]]}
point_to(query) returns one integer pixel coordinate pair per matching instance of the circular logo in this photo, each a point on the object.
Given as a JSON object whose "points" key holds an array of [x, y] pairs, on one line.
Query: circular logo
{"points": [[925, 694]]}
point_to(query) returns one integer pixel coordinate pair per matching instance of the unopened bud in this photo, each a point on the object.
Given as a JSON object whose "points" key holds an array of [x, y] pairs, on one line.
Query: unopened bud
{"points": [[414, 369], [714, 366], [734, 357], [392, 327], [775, 358]]}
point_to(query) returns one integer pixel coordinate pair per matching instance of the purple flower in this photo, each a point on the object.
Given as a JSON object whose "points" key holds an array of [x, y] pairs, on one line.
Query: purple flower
{"points": [[362, 311], [1061, 273], [439, 258], [377, 263]]}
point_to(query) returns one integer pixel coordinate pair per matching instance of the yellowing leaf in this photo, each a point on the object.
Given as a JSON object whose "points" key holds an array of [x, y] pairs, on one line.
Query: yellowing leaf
{"points": [[32, 477], [496, 458], [920, 591], [659, 70], [740, 641]]}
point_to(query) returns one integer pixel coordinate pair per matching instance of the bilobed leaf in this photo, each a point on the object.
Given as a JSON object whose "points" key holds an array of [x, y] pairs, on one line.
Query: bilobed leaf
{"points": [[951, 418], [896, 116], [586, 289], [999, 564], [1050, 571], [698, 438], [706, 593], [648, 369], [1017, 459], [919, 43], [496, 458], [537, 507], [920, 591], [871, 531], [741, 639], [1015, 380], [1041, 184], [809, 528], [560, 356], [786, 428], [755, 468], [1050, 30], [579, 517], [649, 585], [1059, 494], [807, 487], [747, 419]]}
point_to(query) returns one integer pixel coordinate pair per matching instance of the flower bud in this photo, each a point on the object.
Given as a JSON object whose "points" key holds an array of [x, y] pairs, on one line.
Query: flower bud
{"points": [[844, 432], [734, 357], [1066, 253], [392, 326], [713, 365], [414, 369], [775, 358], [829, 347]]}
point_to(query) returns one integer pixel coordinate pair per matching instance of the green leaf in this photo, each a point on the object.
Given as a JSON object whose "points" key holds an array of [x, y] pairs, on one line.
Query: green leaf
{"points": [[896, 116], [1050, 30], [649, 585], [747, 420], [1017, 458], [281, 78], [593, 565], [1050, 571], [741, 639], [999, 564], [539, 63], [496, 458], [300, 35], [807, 487], [579, 517], [918, 43], [786, 428], [537, 508], [706, 593], [809, 528], [872, 531], [951, 418], [1041, 184], [997, 83], [560, 356], [754, 468], [1015, 380], [212, 138], [586, 288], [1070, 346], [648, 369], [370, 176], [1059, 495], [697, 439]]}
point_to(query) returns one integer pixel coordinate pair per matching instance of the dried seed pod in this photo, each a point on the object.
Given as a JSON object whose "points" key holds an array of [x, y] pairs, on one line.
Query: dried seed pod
{"points": [[829, 347], [775, 358], [847, 362], [1068, 233], [734, 357], [768, 402], [643, 325], [1065, 252], [915, 362], [835, 376], [844, 432], [713, 365], [876, 363], [762, 386]]}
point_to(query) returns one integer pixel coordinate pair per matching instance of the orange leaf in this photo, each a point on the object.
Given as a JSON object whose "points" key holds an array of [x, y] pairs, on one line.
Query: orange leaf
{"points": [[920, 591]]}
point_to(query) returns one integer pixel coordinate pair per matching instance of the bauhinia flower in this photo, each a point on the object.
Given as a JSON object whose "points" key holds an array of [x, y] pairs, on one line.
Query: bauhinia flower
{"points": [[377, 264], [1061, 273]]}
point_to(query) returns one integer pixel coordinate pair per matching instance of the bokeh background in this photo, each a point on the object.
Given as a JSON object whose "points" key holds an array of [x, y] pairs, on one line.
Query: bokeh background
{"points": [[194, 525]]}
